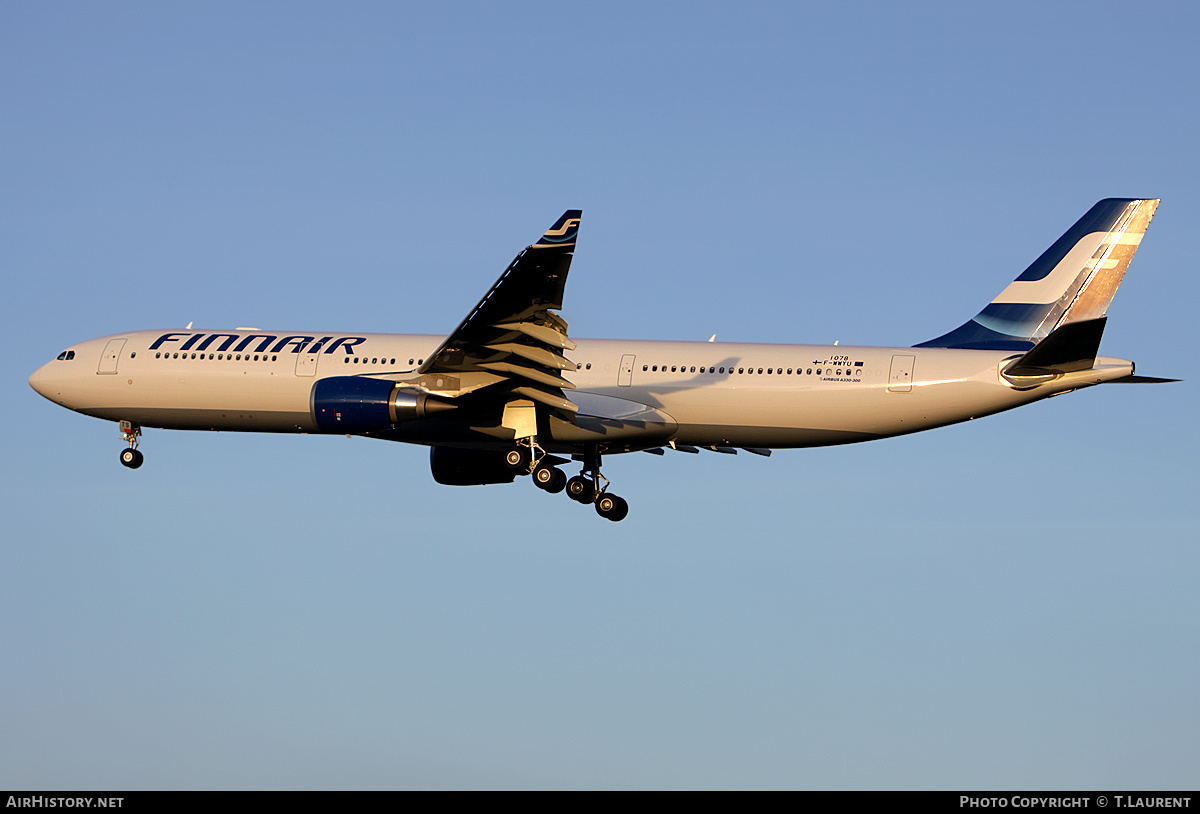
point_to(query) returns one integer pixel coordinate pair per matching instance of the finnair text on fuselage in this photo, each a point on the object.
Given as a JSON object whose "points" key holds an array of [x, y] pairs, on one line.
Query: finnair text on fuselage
{"points": [[267, 343]]}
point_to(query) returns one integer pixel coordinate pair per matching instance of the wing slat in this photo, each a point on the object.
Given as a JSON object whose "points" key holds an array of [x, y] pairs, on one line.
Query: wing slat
{"points": [[541, 356], [549, 399], [530, 373]]}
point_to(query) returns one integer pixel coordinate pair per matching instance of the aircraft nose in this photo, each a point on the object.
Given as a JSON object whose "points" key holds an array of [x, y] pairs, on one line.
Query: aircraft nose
{"points": [[38, 381], [47, 383]]}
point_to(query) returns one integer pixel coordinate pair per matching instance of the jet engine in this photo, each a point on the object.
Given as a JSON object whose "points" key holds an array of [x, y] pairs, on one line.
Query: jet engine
{"points": [[350, 404], [469, 467]]}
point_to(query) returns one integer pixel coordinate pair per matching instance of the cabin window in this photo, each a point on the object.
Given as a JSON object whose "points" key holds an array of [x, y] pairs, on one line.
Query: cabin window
{"points": [[693, 370], [645, 368]]}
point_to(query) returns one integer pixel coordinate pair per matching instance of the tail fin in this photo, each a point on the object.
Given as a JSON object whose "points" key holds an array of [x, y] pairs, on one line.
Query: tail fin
{"points": [[1073, 281]]}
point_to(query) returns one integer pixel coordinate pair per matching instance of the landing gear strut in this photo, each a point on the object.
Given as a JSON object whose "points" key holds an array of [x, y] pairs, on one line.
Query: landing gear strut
{"points": [[129, 433], [529, 458], [586, 487], [522, 457]]}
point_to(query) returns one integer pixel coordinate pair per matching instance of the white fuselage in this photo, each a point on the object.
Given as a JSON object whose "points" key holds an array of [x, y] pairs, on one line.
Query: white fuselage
{"points": [[631, 394]]}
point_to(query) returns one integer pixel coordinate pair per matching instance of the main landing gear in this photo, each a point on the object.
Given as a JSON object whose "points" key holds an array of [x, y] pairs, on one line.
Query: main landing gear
{"points": [[129, 433], [589, 486]]}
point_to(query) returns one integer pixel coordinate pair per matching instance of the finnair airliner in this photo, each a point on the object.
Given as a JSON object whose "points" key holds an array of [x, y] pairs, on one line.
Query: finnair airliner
{"points": [[509, 393]]}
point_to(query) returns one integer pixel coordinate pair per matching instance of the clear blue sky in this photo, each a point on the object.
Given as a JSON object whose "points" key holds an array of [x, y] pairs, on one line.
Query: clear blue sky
{"points": [[1007, 603]]}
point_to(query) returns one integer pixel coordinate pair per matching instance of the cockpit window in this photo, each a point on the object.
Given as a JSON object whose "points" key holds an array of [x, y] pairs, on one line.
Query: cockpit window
{"points": [[66, 355]]}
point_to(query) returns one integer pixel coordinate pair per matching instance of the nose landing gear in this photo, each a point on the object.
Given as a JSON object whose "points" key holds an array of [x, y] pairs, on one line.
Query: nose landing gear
{"points": [[129, 433]]}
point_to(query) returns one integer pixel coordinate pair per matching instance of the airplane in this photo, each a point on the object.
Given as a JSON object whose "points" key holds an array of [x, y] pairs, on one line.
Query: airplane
{"points": [[509, 393]]}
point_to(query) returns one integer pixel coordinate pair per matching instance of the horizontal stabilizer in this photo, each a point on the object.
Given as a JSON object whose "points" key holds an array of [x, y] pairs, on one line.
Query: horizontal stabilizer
{"points": [[1069, 347], [1143, 380]]}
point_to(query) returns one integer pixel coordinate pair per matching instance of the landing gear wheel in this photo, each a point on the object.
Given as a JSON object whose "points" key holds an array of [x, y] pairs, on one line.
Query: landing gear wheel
{"points": [[131, 458], [611, 507], [558, 483], [518, 458], [543, 476], [581, 490]]}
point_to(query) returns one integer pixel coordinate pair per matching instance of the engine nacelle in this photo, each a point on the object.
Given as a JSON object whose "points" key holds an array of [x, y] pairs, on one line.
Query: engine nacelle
{"points": [[469, 467], [350, 404]]}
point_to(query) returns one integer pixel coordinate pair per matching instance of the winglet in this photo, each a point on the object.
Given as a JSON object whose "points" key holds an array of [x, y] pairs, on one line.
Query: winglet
{"points": [[563, 232]]}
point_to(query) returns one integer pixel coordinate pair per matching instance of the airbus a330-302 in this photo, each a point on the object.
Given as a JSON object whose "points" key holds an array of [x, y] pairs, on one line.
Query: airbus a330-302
{"points": [[510, 393]]}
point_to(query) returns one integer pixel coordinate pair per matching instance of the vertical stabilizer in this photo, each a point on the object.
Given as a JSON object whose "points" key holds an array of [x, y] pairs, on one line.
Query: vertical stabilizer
{"points": [[1073, 281]]}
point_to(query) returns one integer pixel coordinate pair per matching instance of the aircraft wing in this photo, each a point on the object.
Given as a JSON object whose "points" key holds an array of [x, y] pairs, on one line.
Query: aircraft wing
{"points": [[512, 341]]}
